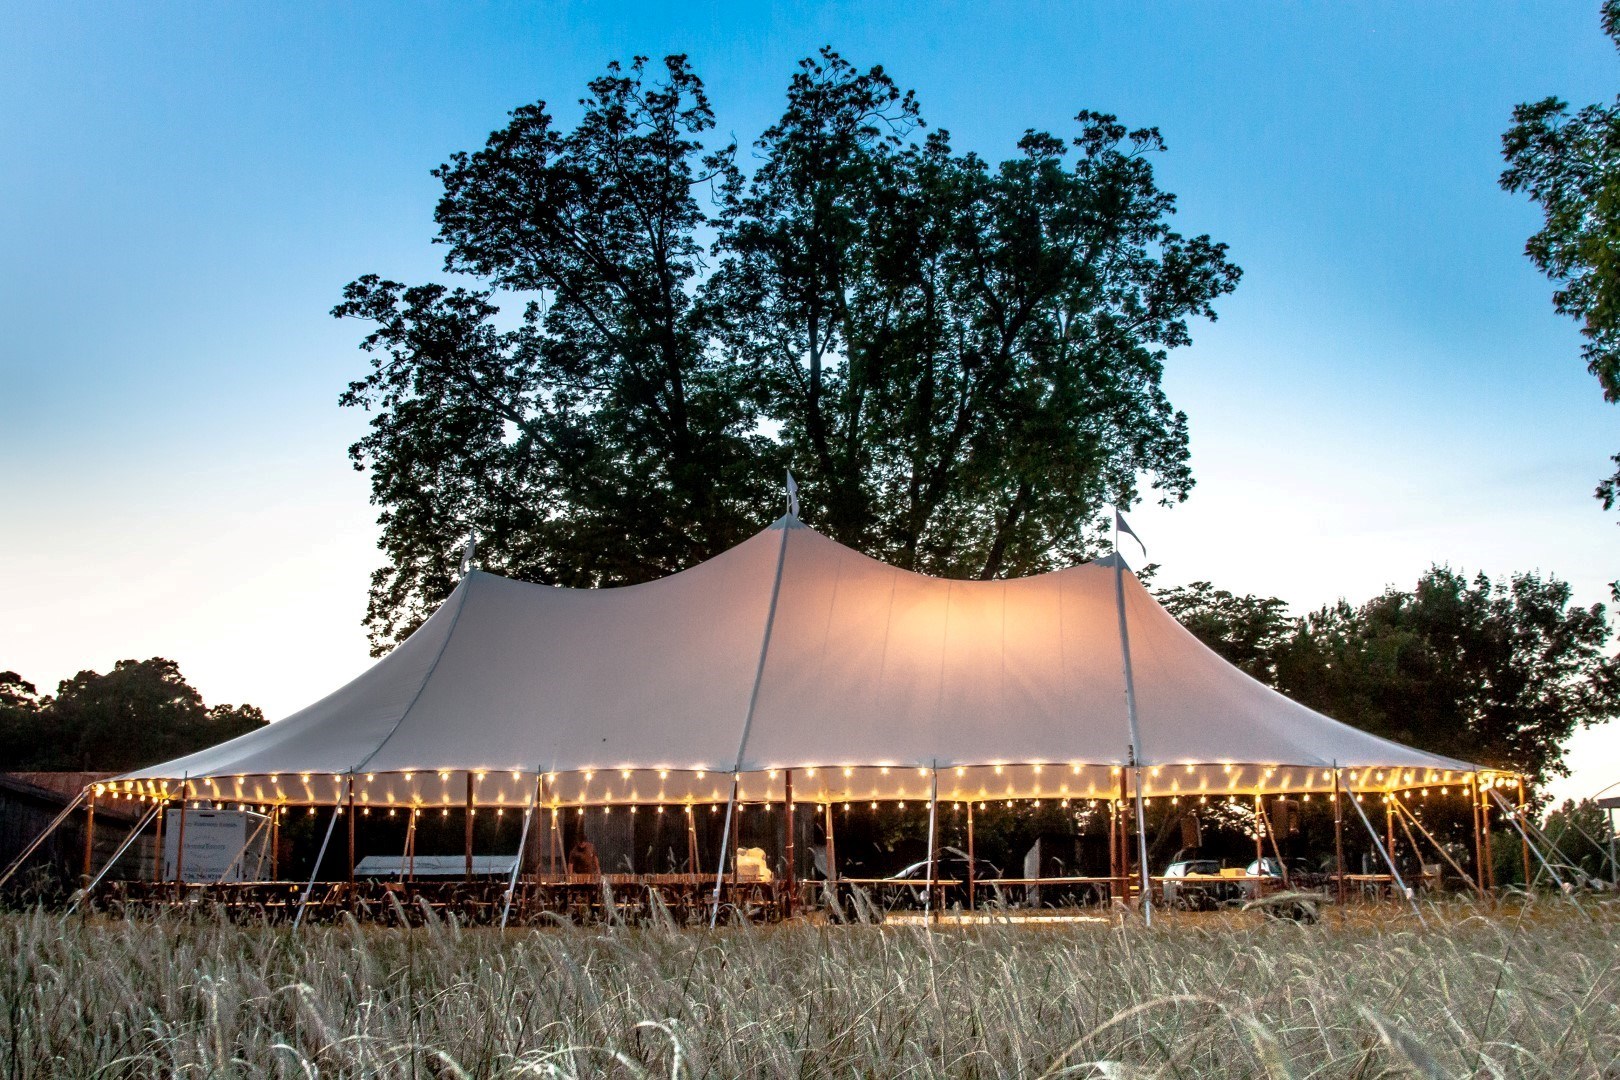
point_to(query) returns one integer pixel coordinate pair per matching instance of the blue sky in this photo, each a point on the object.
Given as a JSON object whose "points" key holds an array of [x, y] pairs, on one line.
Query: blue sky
{"points": [[185, 190]]}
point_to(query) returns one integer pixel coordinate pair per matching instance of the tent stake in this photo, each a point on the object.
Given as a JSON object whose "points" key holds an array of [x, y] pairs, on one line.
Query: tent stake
{"points": [[1394, 874]]}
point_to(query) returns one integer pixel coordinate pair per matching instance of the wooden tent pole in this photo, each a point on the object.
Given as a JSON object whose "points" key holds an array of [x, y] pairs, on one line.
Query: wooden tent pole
{"points": [[792, 877], [1259, 841], [1389, 823], [275, 843], [469, 830]]}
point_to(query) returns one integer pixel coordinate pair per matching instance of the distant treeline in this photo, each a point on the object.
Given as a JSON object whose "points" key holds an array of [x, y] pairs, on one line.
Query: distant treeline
{"points": [[1497, 673], [139, 713]]}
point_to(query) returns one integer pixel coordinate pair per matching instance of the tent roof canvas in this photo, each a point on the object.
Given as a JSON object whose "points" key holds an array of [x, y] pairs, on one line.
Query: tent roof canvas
{"points": [[794, 651]]}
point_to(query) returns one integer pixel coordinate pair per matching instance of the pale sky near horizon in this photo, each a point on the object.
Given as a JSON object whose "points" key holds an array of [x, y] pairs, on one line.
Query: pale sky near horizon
{"points": [[185, 190]]}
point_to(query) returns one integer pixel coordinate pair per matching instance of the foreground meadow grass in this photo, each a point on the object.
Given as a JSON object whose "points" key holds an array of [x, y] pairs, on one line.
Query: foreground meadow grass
{"points": [[1512, 992]]}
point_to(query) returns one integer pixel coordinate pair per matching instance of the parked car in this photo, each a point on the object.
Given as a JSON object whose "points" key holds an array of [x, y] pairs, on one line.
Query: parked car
{"points": [[951, 864], [1266, 875]]}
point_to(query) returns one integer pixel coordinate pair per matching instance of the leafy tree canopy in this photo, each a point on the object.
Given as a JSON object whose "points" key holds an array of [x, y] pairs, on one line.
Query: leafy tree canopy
{"points": [[1569, 163], [140, 712], [961, 358], [1499, 673]]}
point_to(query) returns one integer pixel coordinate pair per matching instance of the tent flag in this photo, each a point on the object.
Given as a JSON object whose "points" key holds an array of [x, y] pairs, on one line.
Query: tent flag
{"points": [[467, 554], [1121, 526], [793, 496]]}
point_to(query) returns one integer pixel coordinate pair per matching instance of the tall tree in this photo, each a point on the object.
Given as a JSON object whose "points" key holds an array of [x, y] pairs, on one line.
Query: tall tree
{"points": [[962, 358], [1498, 673], [139, 713], [1569, 163]]}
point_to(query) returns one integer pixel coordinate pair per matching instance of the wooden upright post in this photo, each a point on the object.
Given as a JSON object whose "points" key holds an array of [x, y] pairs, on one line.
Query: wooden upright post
{"points": [[1488, 876], [792, 878], [469, 817], [275, 843], [90, 837], [1389, 824], [1475, 794]]}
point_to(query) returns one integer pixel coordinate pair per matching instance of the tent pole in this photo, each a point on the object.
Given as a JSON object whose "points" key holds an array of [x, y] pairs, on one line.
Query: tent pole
{"points": [[157, 855], [405, 846], [469, 820], [1395, 875], [972, 867], [523, 841], [1487, 874], [1135, 731], [89, 835], [303, 901], [1476, 798], [725, 842], [1389, 823], [84, 893], [1517, 824], [350, 876], [1525, 841], [1120, 867], [275, 843], [1271, 833], [1407, 815], [691, 841], [180, 844], [929, 911], [792, 852], [1338, 839], [33, 845], [736, 844], [753, 700]]}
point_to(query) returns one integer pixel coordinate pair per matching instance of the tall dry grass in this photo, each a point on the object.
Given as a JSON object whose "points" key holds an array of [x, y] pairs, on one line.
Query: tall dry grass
{"points": [[1509, 992]]}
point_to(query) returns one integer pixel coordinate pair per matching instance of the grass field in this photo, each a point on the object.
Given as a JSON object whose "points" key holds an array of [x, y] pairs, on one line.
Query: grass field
{"points": [[1512, 992]]}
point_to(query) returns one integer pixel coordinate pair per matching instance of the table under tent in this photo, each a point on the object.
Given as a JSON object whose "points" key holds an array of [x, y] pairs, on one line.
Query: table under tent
{"points": [[609, 752]]}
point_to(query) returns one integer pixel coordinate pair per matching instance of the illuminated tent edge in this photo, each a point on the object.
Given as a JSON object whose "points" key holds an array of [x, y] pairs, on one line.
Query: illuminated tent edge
{"points": [[792, 655]]}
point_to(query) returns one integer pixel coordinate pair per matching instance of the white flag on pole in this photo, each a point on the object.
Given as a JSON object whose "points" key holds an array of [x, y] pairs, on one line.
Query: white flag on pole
{"points": [[793, 496], [1120, 526], [467, 554]]}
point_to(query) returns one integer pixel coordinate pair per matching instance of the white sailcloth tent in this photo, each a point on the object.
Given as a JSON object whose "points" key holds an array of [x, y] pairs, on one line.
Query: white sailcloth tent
{"points": [[792, 652]]}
